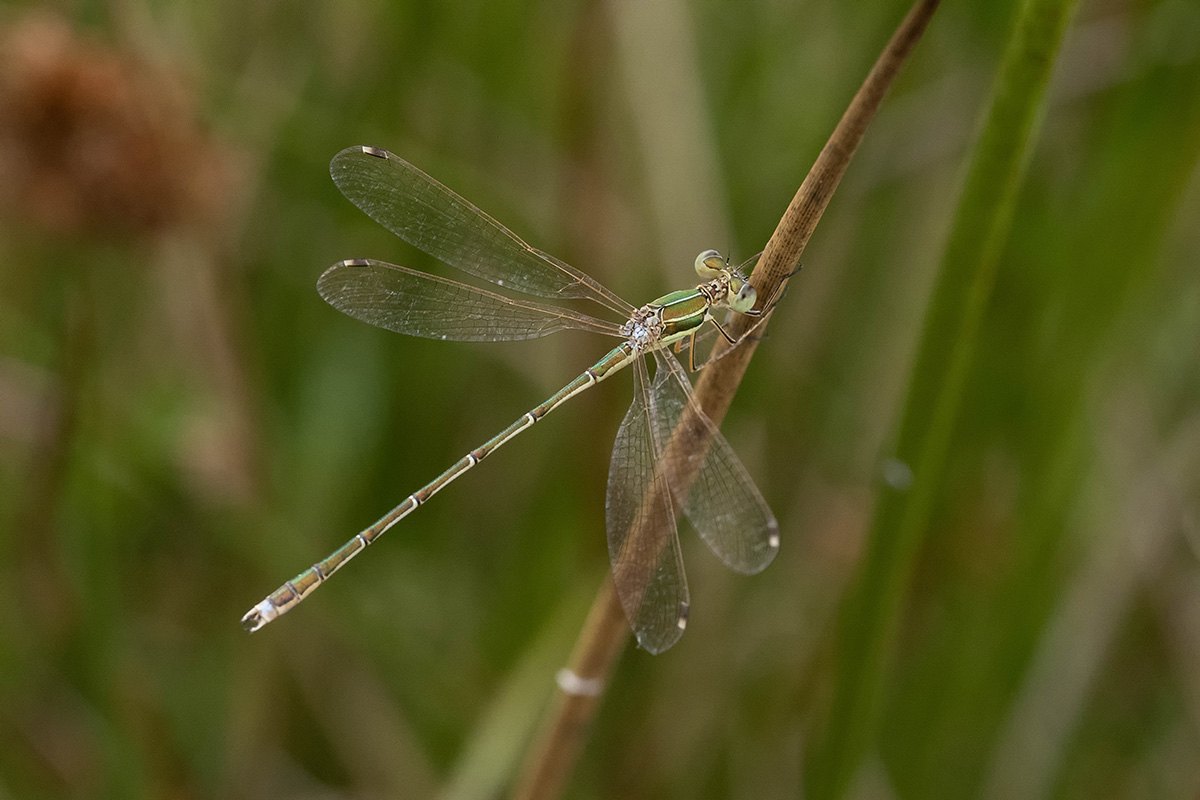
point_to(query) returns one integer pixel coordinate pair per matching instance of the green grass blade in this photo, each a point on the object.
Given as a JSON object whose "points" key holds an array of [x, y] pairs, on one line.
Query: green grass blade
{"points": [[495, 748], [944, 357]]}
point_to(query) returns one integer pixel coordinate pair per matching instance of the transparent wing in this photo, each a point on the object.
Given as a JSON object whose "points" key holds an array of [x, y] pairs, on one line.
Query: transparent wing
{"points": [[431, 217], [417, 304], [643, 543], [721, 500]]}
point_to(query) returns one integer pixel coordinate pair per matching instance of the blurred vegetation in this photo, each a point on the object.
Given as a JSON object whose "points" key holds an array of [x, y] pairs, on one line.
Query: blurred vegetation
{"points": [[184, 423]]}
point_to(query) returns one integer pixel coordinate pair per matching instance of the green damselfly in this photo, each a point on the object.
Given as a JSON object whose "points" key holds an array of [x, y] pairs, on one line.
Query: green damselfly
{"points": [[650, 477]]}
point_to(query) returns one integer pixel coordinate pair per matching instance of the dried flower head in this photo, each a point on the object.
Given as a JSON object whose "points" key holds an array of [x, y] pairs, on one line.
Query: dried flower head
{"points": [[93, 141]]}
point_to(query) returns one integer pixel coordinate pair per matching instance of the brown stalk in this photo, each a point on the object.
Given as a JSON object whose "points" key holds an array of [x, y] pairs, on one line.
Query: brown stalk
{"points": [[605, 632]]}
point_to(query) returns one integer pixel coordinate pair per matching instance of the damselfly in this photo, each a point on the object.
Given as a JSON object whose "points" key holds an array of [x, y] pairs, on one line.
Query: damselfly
{"points": [[654, 472]]}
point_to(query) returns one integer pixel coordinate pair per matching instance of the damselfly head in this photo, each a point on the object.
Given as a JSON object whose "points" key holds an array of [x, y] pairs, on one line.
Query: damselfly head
{"points": [[739, 294]]}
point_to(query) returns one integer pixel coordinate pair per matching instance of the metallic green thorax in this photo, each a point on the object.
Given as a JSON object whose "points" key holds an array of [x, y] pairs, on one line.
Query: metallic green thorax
{"points": [[682, 313]]}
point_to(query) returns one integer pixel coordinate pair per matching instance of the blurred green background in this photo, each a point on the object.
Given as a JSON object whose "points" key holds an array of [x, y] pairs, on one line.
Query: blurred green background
{"points": [[184, 423]]}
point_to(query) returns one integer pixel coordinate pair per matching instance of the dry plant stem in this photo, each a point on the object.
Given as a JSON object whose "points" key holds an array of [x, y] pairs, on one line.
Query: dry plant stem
{"points": [[606, 631], [719, 382]]}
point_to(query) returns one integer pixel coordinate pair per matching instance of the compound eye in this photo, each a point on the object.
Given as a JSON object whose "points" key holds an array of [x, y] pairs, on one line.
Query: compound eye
{"points": [[745, 298], [709, 264]]}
